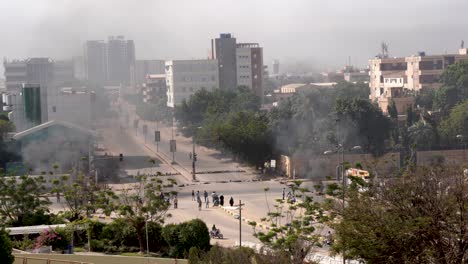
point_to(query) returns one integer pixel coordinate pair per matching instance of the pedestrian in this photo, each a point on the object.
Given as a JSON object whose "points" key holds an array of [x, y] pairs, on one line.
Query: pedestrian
{"points": [[193, 195], [175, 202], [207, 202], [58, 197], [198, 194], [231, 201], [199, 203], [205, 194], [284, 191], [221, 200]]}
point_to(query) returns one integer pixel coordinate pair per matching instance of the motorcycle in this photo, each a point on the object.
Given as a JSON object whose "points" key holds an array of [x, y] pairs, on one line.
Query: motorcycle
{"points": [[216, 234]]}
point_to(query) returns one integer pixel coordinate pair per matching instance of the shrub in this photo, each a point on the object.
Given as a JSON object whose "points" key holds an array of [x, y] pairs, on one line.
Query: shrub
{"points": [[5, 248], [56, 238], [183, 236]]}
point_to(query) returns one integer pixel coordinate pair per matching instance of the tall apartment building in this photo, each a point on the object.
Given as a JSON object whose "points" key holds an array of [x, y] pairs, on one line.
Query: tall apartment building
{"points": [[185, 77], [249, 61], [223, 49], [145, 67], [120, 60], [399, 79], [95, 60]]}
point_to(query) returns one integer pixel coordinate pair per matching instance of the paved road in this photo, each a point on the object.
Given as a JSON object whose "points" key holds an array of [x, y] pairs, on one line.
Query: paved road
{"points": [[207, 159]]}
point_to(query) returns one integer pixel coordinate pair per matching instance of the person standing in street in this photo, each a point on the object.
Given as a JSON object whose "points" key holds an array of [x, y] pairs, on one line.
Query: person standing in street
{"points": [[221, 200], [205, 194], [231, 201], [193, 195], [199, 203], [284, 192], [175, 202], [207, 203]]}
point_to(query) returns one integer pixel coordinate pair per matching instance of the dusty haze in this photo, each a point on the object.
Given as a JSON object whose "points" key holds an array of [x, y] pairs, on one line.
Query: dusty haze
{"points": [[318, 33]]}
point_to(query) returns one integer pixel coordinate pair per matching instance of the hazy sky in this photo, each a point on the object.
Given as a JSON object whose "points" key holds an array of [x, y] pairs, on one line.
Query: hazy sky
{"points": [[319, 33]]}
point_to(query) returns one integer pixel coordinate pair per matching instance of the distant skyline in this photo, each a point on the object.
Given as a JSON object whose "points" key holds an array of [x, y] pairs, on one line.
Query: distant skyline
{"points": [[305, 33]]}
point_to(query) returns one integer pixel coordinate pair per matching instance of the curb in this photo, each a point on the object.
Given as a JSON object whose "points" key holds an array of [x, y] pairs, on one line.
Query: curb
{"points": [[243, 219]]}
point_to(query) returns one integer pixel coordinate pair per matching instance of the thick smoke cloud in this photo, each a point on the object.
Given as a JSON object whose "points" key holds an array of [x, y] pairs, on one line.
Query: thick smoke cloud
{"points": [[324, 33]]}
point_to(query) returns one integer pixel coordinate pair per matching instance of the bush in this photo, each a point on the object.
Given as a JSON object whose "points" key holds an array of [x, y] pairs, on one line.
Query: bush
{"points": [[57, 238], [5, 248], [183, 236], [24, 244]]}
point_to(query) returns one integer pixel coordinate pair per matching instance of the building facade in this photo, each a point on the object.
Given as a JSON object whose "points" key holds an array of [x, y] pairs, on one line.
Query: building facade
{"points": [[154, 88], [120, 60], [145, 67], [185, 77], [223, 49], [95, 60], [249, 61], [400, 79]]}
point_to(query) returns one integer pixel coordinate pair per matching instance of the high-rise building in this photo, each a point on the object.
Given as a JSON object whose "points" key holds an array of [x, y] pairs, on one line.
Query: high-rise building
{"points": [[120, 60], [249, 60], [95, 58], [185, 77], [223, 49], [145, 67]]}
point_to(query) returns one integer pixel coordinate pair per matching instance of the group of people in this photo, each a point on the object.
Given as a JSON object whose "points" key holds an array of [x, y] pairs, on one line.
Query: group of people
{"points": [[175, 201], [291, 197], [216, 199]]}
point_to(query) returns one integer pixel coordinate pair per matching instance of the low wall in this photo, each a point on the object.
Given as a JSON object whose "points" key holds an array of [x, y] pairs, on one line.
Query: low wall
{"points": [[321, 166], [95, 259]]}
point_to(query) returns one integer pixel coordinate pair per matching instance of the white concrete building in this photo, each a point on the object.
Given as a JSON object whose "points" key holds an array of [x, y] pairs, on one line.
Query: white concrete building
{"points": [[185, 77]]}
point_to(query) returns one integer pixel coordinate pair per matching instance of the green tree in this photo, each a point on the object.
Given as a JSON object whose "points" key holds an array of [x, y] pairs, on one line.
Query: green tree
{"points": [[455, 124], [454, 88], [294, 223], [21, 200], [392, 110], [139, 204], [6, 256], [80, 196], [422, 136], [363, 123], [420, 217], [247, 135]]}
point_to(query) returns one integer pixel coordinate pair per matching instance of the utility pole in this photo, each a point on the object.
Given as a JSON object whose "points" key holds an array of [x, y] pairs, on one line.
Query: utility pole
{"points": [[194, 158]]}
